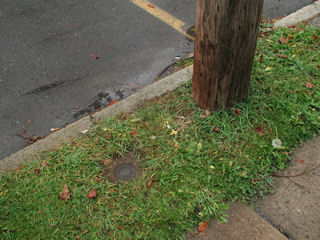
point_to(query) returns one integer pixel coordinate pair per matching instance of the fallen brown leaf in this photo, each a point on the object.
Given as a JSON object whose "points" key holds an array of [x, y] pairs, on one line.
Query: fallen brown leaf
{"points": [[95, 56], [149, 184], [113, 102], [202, 227], [45, 164], [260, 130], [282, 40], [97, 179], [283, 56], [92, 194], [37, 172], [237, 111], [65, 194], [106, 162], [310, 85], [133, 133], [150, 5]]}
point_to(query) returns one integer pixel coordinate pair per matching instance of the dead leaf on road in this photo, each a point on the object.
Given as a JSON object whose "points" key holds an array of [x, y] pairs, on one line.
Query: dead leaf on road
{"points": [[113, 102], [95, 56], [65, 194]]}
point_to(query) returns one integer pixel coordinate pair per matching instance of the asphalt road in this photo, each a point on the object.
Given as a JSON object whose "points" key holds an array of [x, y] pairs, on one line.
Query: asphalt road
{"points": [[48, 73]]}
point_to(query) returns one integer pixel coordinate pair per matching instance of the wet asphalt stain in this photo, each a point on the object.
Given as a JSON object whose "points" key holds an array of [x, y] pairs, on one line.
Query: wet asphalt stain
{"points": [[103, 99], [52, 85]]}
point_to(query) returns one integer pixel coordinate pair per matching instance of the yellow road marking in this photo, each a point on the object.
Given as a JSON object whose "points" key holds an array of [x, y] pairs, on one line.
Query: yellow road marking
{"points": [[163, 16]]}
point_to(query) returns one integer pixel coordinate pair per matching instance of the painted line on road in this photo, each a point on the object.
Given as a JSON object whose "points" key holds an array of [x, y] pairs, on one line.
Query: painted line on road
{"points": [[162, 15]]}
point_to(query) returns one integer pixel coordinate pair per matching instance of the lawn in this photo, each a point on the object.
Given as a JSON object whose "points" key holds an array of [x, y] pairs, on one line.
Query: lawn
{"points": [[192, 163]]}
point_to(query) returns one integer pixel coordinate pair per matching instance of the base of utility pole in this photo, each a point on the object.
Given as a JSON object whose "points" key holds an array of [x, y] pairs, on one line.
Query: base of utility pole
{"points": [[226, 36]]}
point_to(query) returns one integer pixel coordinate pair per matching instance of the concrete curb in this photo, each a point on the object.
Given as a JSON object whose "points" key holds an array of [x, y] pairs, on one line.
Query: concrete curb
{"points": [[55, 139], [304, 14]]}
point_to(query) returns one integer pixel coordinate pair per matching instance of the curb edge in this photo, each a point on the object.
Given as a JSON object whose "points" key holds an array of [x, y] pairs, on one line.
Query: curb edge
{"points": [[303, 14]]}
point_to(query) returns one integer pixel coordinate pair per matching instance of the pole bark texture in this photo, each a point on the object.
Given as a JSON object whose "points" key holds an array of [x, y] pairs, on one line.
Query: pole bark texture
{"points": [[226, 37]]}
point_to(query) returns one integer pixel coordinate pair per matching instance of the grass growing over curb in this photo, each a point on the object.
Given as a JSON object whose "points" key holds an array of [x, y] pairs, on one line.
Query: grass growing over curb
{"points": [[197, 162]]}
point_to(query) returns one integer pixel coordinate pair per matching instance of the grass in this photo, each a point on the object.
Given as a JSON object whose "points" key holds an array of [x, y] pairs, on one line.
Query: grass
{"points": [[184, 63], [198, 163]]}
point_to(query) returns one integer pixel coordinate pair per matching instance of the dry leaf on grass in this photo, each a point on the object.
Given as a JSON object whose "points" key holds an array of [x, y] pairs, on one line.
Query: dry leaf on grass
{"points": [[149, 184], [45, 164], [202, 227], [65, 194], [92, 194]]}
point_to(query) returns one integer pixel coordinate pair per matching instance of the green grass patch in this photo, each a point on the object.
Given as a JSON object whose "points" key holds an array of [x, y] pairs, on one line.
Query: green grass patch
{"points": [[184, 62], [198, 164]]}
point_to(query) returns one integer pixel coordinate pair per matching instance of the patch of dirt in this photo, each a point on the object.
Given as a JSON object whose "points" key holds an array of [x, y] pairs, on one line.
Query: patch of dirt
{"points": [[122, 169]]}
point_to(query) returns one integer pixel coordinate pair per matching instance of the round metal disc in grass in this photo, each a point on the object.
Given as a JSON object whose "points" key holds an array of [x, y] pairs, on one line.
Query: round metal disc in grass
{"points": [[124, 169]]}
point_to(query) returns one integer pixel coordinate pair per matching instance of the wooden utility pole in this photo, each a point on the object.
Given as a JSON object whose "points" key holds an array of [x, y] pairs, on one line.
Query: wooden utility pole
{"points": [[226, 36]]}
